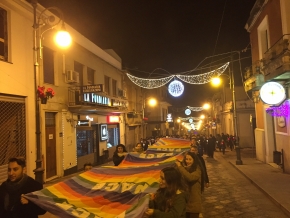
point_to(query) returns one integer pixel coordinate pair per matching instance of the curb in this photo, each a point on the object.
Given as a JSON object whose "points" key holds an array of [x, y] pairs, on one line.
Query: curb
{"points": [[285, 211]]}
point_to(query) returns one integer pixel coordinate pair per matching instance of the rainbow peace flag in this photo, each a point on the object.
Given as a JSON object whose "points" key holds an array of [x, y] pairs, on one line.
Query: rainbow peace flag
{"points": [[109, 191]]}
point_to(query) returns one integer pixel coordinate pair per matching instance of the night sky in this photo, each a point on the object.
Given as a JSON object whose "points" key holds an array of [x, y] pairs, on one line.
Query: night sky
{"points": [[173, 35]]}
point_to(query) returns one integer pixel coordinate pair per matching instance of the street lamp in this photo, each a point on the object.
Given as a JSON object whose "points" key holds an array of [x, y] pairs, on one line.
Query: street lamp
{"points": [[152, 102], [64, 38], [216, 81]]}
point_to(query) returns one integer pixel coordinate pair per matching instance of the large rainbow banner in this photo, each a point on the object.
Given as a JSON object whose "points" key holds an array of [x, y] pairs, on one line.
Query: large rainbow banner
{"points": [[109, 191]]}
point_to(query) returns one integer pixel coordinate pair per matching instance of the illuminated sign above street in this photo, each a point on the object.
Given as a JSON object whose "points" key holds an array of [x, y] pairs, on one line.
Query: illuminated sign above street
{"points": [[272, 93], [113, 119]]}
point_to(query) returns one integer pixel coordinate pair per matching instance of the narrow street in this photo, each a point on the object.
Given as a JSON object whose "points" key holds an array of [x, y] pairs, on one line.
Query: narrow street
{"points": [[231, 194]]}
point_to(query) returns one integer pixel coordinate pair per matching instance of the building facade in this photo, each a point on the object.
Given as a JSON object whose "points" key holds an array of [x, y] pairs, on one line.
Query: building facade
{"points": [[84, 119], [269, 29], [222, 117]]}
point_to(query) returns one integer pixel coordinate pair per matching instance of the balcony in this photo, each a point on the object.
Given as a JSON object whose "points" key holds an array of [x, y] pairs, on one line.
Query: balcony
{"points": [[92, 99], [254, 78], [276, 62]]}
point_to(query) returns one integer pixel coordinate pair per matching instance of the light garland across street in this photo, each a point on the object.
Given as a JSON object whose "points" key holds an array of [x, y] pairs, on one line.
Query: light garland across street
{"points": [[195, 108], [191, 79]]}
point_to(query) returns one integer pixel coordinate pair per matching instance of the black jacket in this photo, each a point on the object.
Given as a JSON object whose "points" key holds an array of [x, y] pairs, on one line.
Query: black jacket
{"points": [[19, 210]]}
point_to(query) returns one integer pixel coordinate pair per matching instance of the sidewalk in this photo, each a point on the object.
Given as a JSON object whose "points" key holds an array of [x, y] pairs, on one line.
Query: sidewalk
{"points": [[270, 180]]}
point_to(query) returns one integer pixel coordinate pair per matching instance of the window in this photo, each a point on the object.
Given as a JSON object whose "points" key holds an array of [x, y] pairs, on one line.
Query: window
{"points": [[78, 67], [91, 76], [263, 37], [3, 35], [48, 65], [85, 142], [107, 84], [114, 87]]}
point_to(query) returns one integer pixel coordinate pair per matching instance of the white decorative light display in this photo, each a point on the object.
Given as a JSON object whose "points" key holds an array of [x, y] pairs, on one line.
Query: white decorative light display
{"points": [[187, 118], [272, 93], [149, 83], [190, 120], [203, 78], [192, 79], [187, 112], [175, 88], [195, 108]]}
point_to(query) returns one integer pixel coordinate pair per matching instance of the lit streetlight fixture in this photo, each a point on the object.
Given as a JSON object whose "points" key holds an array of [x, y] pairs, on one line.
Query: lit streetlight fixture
{"points": [[206, 106], [152, 102], [39, 22]]}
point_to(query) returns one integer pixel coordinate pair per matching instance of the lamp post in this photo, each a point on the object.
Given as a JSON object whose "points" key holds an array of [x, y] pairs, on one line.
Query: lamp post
{"points": [[206, 107], [215, 81], [37, 37], [151, 102], [179, 121]]}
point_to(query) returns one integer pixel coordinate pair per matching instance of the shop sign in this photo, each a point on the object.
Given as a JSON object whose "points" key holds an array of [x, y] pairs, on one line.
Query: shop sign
{"points": [[113, 119], [169, 118], [103, 132], [84, 123], [272, 93], [93, 88], [98, 99]]}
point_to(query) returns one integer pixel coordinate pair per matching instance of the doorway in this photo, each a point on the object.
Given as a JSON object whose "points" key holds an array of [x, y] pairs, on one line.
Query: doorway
{"points": [[50, 142]]}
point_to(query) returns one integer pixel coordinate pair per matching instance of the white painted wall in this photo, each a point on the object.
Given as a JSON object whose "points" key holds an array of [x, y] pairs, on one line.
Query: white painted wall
{"points": [[16, 75], [260, 144]]}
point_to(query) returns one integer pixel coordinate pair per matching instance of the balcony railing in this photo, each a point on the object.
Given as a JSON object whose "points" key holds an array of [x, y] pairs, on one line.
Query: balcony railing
{"points": [[276, 60], [254, 77]]}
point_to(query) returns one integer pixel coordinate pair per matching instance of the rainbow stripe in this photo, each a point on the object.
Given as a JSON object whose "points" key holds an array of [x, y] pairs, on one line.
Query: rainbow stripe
{"points": [[109, 191]]}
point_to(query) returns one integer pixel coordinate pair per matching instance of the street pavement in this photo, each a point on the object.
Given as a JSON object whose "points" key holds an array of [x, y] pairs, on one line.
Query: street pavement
{"points": [[251, 190]]}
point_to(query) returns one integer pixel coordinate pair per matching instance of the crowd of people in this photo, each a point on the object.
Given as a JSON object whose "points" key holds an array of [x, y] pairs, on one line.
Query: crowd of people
{"points": [[180, 186]]}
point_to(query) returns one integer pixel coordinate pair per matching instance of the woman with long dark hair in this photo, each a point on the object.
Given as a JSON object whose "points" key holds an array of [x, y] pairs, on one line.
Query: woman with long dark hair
{"points": [[193, 172], [119, 154], [170, 199]]}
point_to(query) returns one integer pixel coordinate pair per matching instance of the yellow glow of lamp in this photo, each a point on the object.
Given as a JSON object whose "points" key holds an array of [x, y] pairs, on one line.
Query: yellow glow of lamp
{"points": [[152, 102], [215, 81], [63, 39], [206, 106]]}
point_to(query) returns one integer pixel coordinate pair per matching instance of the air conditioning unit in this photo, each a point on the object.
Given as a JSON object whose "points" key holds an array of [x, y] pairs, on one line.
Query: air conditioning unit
{"points": [[122, 93], [72, 76]]}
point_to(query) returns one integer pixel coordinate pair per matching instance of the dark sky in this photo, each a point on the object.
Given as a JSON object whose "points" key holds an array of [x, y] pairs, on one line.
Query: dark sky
{"points": [[175, 35]]}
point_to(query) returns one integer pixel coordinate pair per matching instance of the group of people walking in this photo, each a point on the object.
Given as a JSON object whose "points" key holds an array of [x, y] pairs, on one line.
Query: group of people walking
{"points": [[179, 194]]}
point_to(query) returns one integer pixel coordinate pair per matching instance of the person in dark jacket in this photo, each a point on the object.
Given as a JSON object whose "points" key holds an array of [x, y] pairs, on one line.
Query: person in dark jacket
{"points": [[13, 204], [119, 154]]}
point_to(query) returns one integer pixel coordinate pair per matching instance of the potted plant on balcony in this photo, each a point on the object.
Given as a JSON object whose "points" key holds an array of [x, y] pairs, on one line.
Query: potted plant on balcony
{"points": [[44, 94]]}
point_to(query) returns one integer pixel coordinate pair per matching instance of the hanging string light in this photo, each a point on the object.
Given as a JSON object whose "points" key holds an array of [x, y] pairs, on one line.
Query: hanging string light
{"points": [[193, 79], [149, 83], [280, 111], [205, 77], [187, 118], [195, 108]]}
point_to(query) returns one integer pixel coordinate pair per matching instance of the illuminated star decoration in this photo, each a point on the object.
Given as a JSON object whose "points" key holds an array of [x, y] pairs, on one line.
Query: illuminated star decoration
{"points": [[193, 79]]}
